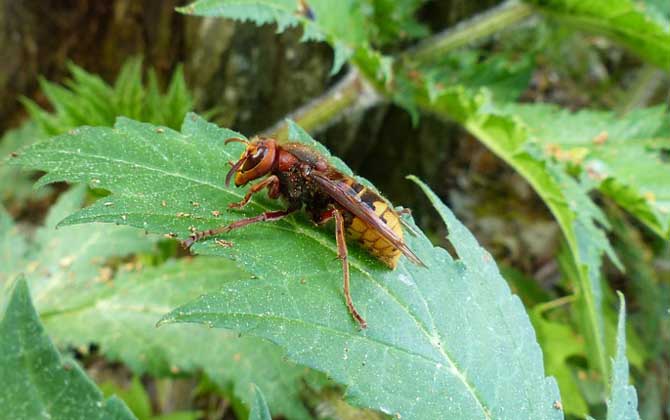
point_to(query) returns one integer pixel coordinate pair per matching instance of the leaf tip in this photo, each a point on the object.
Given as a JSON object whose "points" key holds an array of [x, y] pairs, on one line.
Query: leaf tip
{"points": [[166, 319]]}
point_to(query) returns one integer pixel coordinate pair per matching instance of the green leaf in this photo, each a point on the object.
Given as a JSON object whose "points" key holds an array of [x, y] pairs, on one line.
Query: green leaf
{"points": [[393, 21], [82, 303], [177, 102], [62, 262], [504, 75], [625, 21], [89, 100], [37, 381], [448, 341], [94, 94], [59, 261], [577, 215], [623, 156], [342, 24], [259, 409], [622, 402], [128, 91], [121, 318]]}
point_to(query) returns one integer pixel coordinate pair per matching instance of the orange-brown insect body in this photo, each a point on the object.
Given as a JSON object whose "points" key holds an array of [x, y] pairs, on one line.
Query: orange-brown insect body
{"points": [[367, 235], [305, 179], [290, 162]]}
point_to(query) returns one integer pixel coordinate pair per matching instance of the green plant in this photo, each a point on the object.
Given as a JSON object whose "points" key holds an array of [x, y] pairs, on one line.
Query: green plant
{"points": [[86, 99], [455, 342], [38, 381]]}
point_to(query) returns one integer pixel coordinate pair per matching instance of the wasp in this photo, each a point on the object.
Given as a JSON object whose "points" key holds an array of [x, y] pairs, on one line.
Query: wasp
{"points": [[304, 179]]}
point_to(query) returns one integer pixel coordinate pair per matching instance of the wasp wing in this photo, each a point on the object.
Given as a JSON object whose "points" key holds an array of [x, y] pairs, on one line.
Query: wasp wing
{"points": [[347, 198]]}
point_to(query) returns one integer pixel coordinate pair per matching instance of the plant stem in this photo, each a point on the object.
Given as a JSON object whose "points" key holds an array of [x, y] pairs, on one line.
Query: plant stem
{"points": [[470, 30], [354, 93], [556, 303], [351, 94]]}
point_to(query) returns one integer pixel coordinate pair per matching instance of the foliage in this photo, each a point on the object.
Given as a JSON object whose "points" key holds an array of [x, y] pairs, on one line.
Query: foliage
{"points": [[622, 403], [625, 21], [86, 99], [342, 24], [574, 211], [83, 301], [454, 326], [566, 344], [393, 21], [259, 409], [623, 157], [59, 262], [37, 381], [443, 345]]}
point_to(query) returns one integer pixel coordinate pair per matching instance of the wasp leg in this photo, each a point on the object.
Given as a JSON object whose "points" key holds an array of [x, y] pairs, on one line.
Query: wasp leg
{"points": [[268, 216], [324, 217], [343, 255], [271, 182]]}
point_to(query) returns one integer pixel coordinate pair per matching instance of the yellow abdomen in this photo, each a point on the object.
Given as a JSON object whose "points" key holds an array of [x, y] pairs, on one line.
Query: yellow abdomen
{"points": [[371, 240]]}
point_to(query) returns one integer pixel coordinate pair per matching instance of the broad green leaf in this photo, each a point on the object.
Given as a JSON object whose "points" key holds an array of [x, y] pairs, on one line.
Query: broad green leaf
{"points": [[81, 303], [625, 21], [577, 215], [86, 99], [122, 317], [63, 261], [259, 408], [60, 260], [624, 157], [449, 341], [37, 382], [342, 24], [622, 402]]}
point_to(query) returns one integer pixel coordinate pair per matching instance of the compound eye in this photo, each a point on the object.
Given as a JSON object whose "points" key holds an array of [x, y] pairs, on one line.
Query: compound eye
{"points": [[255, 159]]}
